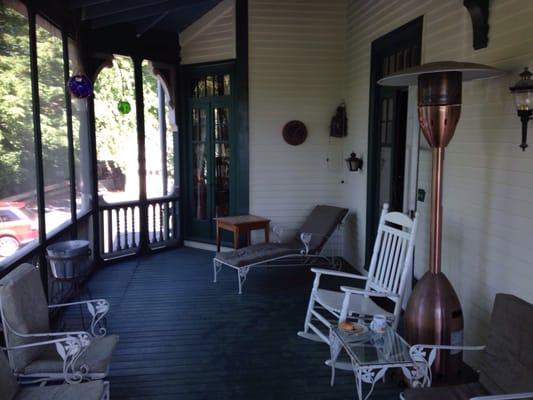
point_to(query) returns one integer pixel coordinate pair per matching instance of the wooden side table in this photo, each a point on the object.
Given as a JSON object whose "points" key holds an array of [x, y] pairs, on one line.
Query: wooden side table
{"points": [[242, 223]]}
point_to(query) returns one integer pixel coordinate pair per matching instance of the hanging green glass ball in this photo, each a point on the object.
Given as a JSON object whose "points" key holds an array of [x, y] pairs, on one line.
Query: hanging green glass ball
{"points": [[124, 107]]}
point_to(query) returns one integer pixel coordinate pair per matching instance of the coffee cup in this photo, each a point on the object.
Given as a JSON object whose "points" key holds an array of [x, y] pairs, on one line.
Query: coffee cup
{"points": [[379, 323]]}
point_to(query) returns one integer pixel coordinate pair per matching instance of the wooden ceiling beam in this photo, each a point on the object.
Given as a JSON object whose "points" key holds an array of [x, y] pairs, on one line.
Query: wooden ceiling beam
{"points": [[148, 24], [85, 3], [138, 14], [154, 10], [116, 7]]}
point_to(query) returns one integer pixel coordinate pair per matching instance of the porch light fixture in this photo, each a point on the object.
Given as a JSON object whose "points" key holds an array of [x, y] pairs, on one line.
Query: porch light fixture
{"points": [[523, 97], [433, 313], [354, 163]]}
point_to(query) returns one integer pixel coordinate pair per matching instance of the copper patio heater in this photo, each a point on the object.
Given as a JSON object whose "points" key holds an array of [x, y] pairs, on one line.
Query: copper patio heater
{"points": [[433, 314]]}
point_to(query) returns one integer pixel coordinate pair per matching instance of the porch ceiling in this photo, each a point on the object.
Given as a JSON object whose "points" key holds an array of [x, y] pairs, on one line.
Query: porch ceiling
{"points": [[144, 15]]}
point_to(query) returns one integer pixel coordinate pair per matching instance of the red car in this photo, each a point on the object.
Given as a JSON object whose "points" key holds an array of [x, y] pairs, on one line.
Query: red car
{"points": [[18, 226]]}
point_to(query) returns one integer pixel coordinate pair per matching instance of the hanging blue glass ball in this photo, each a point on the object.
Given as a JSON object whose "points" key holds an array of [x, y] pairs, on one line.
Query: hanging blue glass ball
{"points": [[124, 107], [80, 86]]}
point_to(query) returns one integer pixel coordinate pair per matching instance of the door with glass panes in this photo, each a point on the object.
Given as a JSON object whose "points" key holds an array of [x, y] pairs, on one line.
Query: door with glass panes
{"points": [[211, 180]]}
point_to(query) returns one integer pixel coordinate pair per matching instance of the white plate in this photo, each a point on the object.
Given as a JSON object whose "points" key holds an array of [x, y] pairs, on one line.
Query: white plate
{"points": [[357, 333]]}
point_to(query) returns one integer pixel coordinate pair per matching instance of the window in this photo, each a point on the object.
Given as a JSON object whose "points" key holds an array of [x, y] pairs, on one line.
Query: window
{"points": [[116, 132], [53, 124], [7, 216], [159, 135], [19, 161], [212, 85], [17, 151]]}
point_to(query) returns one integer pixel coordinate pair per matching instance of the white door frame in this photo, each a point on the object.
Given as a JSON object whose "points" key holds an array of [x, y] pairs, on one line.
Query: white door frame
{"points": [[412, 153]]}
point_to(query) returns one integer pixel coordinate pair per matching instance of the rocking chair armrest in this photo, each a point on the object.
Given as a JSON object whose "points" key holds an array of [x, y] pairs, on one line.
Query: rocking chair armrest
{"points": [[510, 396], [323, 271], [98, 308], [352, 290]]}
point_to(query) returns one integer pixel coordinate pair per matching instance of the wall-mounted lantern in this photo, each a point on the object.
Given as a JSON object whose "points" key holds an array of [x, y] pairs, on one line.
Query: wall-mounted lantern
{"points": [[354, 163], [523, 96]]}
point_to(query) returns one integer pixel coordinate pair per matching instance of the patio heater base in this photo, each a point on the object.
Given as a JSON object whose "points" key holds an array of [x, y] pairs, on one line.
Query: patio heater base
{"points": [[434, 315]]}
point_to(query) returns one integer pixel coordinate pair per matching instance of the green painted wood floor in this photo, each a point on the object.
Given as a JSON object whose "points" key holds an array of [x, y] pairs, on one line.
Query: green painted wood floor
{"points": [[184, 337]]}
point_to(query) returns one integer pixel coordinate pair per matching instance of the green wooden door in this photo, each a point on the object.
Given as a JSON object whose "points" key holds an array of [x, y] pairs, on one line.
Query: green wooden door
{"points": [[211, 182]]}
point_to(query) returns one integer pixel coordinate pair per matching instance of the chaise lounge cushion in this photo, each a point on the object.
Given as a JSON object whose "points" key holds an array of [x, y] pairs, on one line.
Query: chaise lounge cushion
{"points": [[258, 252], [84, 391], [321, 223], [459, 392], [96, 357], [10, 390]]}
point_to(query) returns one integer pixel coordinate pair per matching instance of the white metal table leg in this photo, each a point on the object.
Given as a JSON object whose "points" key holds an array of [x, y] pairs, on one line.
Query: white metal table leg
{"points": [[334, 349]]}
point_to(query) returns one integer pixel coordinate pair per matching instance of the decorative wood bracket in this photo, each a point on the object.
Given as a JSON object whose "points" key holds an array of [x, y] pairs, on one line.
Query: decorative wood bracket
{"points": [[479, 12]]}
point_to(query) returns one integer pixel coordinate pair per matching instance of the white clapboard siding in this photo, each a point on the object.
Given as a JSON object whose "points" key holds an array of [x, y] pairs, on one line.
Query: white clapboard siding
{"points": [[297, 63], [488, 184], [212, 37]]}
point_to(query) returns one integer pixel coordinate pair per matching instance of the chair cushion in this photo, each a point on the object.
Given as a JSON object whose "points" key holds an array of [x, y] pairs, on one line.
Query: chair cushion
{"points": [[358, 304], [322, 223], [97, 357], [508, 359], [459, 392], [8, 383], [84, 391], [25, 308], [258, 253]]}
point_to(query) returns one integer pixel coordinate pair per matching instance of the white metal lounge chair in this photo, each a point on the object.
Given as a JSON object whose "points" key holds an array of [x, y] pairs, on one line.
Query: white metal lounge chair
{"points": [[387, 276], [11, 390], [304, 249], [34, 350]]}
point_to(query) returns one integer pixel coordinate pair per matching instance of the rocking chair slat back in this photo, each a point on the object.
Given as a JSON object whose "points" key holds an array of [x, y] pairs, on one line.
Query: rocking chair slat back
{"points": [[393, 251]]}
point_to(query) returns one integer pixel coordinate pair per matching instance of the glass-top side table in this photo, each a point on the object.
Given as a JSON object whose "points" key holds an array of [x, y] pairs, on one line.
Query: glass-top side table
{"points": [[371, 355]]}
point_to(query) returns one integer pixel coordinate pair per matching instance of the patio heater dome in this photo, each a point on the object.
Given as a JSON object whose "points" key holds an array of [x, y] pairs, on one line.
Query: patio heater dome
{"points": [[470, 71], [433, 313]]}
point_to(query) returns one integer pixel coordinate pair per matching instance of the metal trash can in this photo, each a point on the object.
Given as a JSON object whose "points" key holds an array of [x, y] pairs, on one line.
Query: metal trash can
{"points": [[69, 259]]}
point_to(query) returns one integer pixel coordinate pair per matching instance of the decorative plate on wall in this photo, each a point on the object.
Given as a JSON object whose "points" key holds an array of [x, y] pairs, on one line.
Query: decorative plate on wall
{"points": [[294, 132]]}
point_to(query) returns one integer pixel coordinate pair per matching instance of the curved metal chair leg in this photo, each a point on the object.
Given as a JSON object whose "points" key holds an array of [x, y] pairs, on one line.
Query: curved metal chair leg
{"points": [[241, 276]]}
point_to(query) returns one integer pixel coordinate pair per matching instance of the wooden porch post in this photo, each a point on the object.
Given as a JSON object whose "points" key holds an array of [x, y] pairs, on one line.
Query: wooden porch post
{"points": [[38, 146], [143, 205]]}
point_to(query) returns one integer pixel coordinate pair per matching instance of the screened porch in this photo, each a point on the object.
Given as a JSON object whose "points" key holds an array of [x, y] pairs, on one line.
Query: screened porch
{"points": [[253, 192]]}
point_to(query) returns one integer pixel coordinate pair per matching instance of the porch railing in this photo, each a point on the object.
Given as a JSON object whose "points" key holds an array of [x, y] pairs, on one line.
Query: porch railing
{"points": [[120, 225]]}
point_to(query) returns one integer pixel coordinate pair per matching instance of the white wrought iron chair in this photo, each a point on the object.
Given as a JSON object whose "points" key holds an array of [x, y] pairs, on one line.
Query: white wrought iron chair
{"points": [[34, 351], [387, 277], [11, 390]]}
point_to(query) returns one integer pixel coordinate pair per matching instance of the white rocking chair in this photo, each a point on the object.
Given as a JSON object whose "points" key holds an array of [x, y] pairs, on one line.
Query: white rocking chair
{"points": [[391, 260]]}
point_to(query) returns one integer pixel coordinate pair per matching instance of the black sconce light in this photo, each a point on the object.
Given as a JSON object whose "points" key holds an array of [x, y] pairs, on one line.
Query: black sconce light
{"points": [[523, 96], [354, 163]]}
